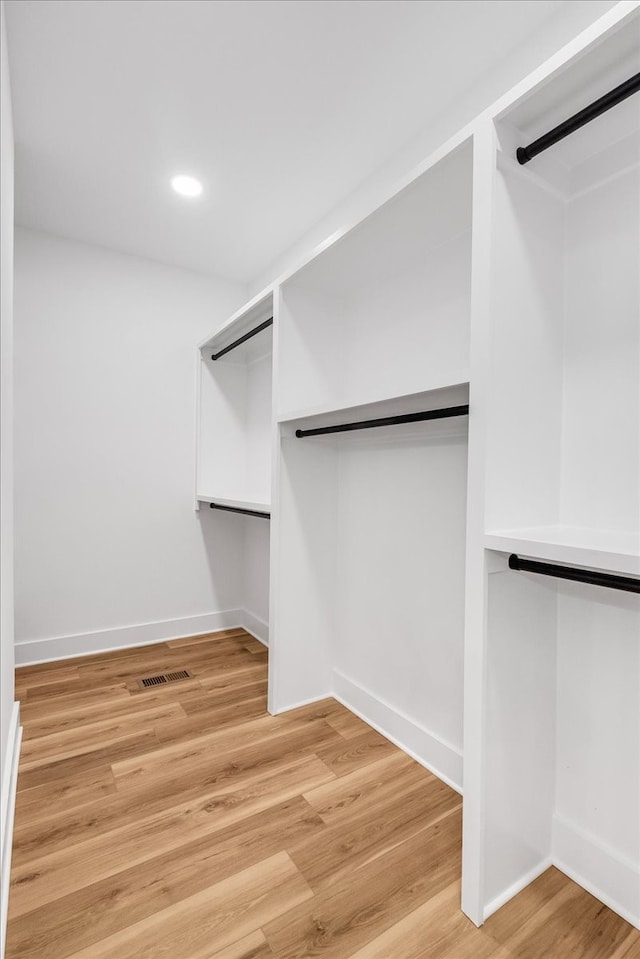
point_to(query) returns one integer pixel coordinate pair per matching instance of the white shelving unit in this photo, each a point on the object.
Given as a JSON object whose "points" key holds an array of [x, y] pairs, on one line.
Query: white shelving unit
{"points": [[447, 390], [234, 443], [552, 747], [372, 522], [513, 289], [234, 400]]}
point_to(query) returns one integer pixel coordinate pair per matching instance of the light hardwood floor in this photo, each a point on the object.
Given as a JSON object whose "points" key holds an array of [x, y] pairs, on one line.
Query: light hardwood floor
{"points": [[184, 822]]}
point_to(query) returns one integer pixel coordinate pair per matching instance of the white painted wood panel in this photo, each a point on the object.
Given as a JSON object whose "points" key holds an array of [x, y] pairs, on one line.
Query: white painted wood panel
{"points": [[385, 309]]}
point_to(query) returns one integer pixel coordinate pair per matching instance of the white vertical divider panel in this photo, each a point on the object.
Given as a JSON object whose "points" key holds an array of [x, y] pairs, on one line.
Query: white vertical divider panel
{"points": [[259, 419], [258, 429], [484, 172], [601, 398], [596, 823], [274, 531], [198, 425], [519, 753], [525, 396], [305, 550]]}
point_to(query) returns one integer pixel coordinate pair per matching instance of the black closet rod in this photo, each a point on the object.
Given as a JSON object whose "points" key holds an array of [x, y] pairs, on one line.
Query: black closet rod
{"points": [[617, 95], [237, 509], [243, 339], [613, 581], [388, 421]]}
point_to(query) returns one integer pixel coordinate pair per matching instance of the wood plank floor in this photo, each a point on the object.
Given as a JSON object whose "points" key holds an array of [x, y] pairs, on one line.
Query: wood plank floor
{"points": [[184, 822]]}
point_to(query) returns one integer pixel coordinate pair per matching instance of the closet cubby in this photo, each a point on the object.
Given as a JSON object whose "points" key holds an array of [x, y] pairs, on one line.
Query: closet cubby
{"points": [[234, 440], [234, 423], [369, 595], [384, 311], [562, 737], [564, 396], [370, 600]]}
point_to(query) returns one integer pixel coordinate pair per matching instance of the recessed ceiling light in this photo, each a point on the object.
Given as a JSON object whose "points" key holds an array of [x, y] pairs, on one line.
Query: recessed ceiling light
{"points": [[186, 185]]}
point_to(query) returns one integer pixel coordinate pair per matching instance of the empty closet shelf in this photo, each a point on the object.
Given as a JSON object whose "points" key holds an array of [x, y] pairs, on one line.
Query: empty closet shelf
{"points": [[612, 551], [440, 414], [247, 507], [243, 339]]}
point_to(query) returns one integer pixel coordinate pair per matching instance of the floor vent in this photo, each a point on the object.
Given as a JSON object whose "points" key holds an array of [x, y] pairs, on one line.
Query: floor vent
{"points": [[164, 678]]}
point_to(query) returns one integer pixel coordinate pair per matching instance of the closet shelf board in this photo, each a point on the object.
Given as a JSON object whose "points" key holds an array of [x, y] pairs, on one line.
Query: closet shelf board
{"points": [[613, 551], [381, 406], [246, 318], [234, 503]]}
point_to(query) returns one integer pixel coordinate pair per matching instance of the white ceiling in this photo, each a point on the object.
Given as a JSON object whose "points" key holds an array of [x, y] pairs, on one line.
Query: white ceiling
{"points": [[281, 107]]}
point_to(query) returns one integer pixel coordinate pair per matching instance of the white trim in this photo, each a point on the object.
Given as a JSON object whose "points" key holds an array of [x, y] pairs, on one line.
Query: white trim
{"points": [[441, 758], [256, 626], [596, 867], [517, 887], [7, 810], [47, 650], [300, 704]]}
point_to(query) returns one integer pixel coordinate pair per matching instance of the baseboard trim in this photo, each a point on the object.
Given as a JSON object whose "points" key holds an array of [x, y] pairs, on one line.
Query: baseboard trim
{"points": [[600, 870], [439, 757], [256, 626], [7, 809], [298, 705], [516, 887], [31, 652]]}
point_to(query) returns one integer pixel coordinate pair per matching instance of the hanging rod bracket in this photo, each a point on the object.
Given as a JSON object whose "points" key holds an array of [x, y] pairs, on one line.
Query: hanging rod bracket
{"points": [[387, 421], [591, 576], [243, 339], [590, 112]]}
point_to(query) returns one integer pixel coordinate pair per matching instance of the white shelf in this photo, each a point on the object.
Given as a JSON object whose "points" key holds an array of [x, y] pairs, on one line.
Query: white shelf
{"points": [[609, 550], [367, 406], [256, 311], [234, 503]]}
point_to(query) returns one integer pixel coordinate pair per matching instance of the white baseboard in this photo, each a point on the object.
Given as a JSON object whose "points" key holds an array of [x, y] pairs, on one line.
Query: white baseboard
{"points": [[439, 757], [516, 887], [256, 626], [143, 634], [277, 710], [7, 808], [600, 870]]}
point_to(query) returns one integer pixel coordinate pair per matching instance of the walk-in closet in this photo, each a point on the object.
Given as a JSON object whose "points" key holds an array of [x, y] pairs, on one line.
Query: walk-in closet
{"points": [[327, 480]]}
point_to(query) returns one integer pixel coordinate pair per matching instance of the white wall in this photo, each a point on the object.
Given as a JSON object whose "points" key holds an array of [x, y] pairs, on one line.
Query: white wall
{"points": [[9, 717], [571, 19], [6, 409], [106, 533]]}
